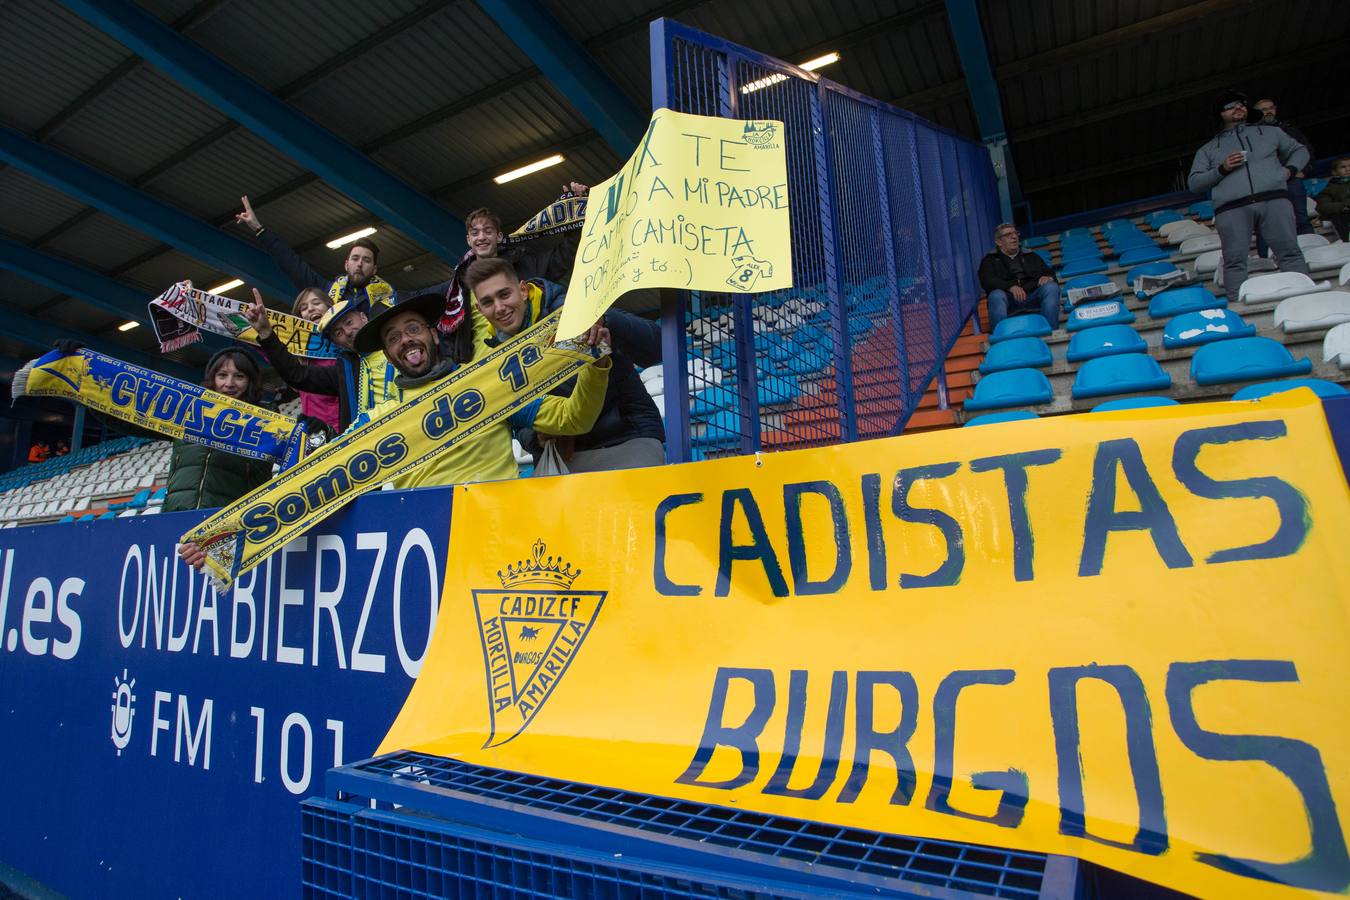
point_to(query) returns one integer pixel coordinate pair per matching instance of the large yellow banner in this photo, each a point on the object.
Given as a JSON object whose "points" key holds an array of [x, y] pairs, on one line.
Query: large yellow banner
{"points": [[1122, 637], [701, 204]]}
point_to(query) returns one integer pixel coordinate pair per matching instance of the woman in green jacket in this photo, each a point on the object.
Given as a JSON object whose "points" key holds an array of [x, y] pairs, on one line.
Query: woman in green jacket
{"points": [[201, 478]]}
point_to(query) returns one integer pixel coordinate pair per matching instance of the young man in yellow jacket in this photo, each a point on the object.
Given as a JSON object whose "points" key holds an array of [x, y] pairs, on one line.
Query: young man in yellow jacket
{"points": [[407, 334]]}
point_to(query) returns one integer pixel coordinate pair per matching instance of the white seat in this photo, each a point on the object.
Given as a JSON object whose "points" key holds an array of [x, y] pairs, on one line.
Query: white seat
{"points": [[152, 510], [126, 512], [1313, 312], [651, 372], [1207, 262], [1312, 240], [1277, 286], [1201, 243], [1336, 346], [701, 372], [1345, 274], [1330, 256], [1177, 233]]}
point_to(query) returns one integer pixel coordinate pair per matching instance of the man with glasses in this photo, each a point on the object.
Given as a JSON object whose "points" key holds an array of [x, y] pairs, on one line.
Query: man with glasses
{"points": [[1246, 169], [408, 337], [1017, 281]]}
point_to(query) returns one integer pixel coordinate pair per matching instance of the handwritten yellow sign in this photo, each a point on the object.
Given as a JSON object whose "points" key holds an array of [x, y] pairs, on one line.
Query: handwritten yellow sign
{"points": [[1123, 637], [701, 204]]}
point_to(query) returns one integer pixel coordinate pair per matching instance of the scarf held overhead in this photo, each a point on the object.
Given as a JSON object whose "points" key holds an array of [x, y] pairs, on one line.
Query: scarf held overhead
{"points": [[180, 314], [176, 409], [473, 398], [567, 213]]}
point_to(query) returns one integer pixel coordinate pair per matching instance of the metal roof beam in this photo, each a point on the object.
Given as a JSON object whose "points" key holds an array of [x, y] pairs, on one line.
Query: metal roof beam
{"points": [[973, 50], [153, 216], [75, 280], [41, 335], [559, 55], [314, 147]]}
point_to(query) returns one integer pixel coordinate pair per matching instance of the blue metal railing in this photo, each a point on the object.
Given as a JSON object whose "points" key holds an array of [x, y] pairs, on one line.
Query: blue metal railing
{"points": [[890, 217]]}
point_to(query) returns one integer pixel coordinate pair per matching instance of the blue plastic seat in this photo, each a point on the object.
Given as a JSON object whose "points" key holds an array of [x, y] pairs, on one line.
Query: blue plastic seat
{"points": [[1137, 255], [1024, 325], [140, 500], [1045, 255], [1245, 359], [108, 515], [1105, 340], [1099, 312], [1133, 403], [775, 389], [1161, 217], [1015, 387], [1178, 300], [1319, 386], [711, 400], [1203, 327], [1083, 265], [1203, 209], [1124, 374], [1039, 240], [1018, 353], [1012, 415], [69, 518], [158, 495]]}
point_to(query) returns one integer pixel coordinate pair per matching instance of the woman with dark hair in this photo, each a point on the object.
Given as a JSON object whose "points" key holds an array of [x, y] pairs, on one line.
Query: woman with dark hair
{"points": [[201, 478], [311, 304]]}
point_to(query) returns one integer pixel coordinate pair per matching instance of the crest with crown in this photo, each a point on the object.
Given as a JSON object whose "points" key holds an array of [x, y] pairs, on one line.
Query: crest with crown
{"points": [[546, 571]]}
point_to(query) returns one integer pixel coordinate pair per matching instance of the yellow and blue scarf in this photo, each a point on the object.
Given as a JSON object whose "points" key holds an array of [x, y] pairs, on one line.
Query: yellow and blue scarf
{"points": [[153, 401], [567, 213], [469, 401], [182, 313]]}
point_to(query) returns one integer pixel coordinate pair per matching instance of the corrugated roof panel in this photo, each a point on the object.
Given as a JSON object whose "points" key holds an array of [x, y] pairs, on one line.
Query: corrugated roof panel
{"points": [[315, 211], [80, 316], [275, 43], [169, 267], [416, 73], [144, 118], [18, 293], [587, 20], [71, 57], [29, 207], [210, 182], [102, 242], [521, 122]]}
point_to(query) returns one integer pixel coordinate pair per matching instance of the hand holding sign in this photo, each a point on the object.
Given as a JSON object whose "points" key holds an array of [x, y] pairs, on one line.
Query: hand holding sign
{"points": [[702, 204]]}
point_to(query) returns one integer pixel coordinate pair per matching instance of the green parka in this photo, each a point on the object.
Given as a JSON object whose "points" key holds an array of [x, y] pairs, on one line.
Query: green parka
{"points": [[202, 478]]}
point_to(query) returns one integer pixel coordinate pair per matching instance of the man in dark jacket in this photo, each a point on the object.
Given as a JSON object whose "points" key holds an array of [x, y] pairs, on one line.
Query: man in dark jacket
{"points": [[628, 434], [1298, 194], [1333, 204], [1246, 168], [360, 285], [1017, 281]]}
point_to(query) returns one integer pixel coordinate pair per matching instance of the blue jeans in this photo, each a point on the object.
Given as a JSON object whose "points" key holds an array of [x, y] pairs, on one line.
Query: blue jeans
{"points": [[1045, 299]]}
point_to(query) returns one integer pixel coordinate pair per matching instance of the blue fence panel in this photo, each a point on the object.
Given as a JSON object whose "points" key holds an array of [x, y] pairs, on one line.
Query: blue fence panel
{"points": [[890, 215]]}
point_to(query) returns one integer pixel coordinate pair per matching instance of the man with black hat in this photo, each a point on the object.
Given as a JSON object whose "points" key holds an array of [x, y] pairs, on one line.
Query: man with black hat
{"points": [[408, 337], [1246, 169]]}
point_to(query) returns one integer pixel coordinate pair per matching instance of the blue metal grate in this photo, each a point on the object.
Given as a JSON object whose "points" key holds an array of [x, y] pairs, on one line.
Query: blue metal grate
{"points": [[890, 217], [884, 858]]}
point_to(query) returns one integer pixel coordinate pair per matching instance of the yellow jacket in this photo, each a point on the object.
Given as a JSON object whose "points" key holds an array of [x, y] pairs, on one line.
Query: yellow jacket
{"points": [[487, 456]]}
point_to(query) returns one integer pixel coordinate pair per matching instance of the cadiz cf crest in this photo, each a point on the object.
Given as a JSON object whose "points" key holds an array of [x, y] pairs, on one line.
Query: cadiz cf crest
{"points": [[532, 630]]}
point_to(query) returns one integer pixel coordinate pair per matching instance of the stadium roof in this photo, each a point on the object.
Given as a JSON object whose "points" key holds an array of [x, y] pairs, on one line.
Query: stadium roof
{"points": [[1102, 102]]}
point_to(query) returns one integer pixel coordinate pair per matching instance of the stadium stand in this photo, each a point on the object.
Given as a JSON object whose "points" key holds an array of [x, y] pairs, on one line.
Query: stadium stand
{"points": [[124, 476]]}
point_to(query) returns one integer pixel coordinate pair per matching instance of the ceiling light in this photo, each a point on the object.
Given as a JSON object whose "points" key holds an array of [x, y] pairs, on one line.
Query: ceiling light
{"points": [[127, 326], [810, 65], [225, 286], [820, 62], [348, 238], [528, 170]]}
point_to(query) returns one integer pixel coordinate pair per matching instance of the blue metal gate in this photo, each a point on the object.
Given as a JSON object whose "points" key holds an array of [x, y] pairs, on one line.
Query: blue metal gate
{"points": [[890, 216]]}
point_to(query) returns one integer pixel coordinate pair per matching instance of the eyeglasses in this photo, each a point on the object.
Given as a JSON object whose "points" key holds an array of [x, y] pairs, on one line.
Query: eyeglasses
{"points": [[1007, 234], [412, 329], [1234, 105]]}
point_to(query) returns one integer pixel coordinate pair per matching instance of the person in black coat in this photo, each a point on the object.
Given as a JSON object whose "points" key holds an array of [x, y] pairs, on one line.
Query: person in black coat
{"points": [[1017, 280]]}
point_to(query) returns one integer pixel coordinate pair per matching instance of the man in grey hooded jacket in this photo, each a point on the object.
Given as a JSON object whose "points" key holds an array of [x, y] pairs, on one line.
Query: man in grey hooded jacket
{"points": [[1245, 168]]}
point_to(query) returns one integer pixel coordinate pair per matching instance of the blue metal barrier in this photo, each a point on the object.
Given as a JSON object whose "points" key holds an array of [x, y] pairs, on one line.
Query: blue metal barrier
{"points": [[890, 217]]}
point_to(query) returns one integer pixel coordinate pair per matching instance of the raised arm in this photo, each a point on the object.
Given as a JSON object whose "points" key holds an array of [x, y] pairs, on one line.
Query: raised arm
{"points": [[301, 273]]}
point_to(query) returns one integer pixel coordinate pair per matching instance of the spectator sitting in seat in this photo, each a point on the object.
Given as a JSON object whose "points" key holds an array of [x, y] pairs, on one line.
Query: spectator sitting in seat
{"points": [[1017, 281], [628, 433], [1246, 169], [1333, 204]]}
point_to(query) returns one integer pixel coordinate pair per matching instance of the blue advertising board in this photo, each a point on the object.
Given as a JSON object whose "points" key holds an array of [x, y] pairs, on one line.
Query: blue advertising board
{"points": [[156, 738]]}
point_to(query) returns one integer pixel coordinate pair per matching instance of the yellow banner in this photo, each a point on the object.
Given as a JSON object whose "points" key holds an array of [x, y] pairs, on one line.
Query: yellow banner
{"points": [[701, 204], [1122, 637]]}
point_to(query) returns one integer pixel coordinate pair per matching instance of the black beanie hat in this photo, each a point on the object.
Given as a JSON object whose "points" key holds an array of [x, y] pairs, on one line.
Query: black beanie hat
{"points": [[1228, 97]]}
